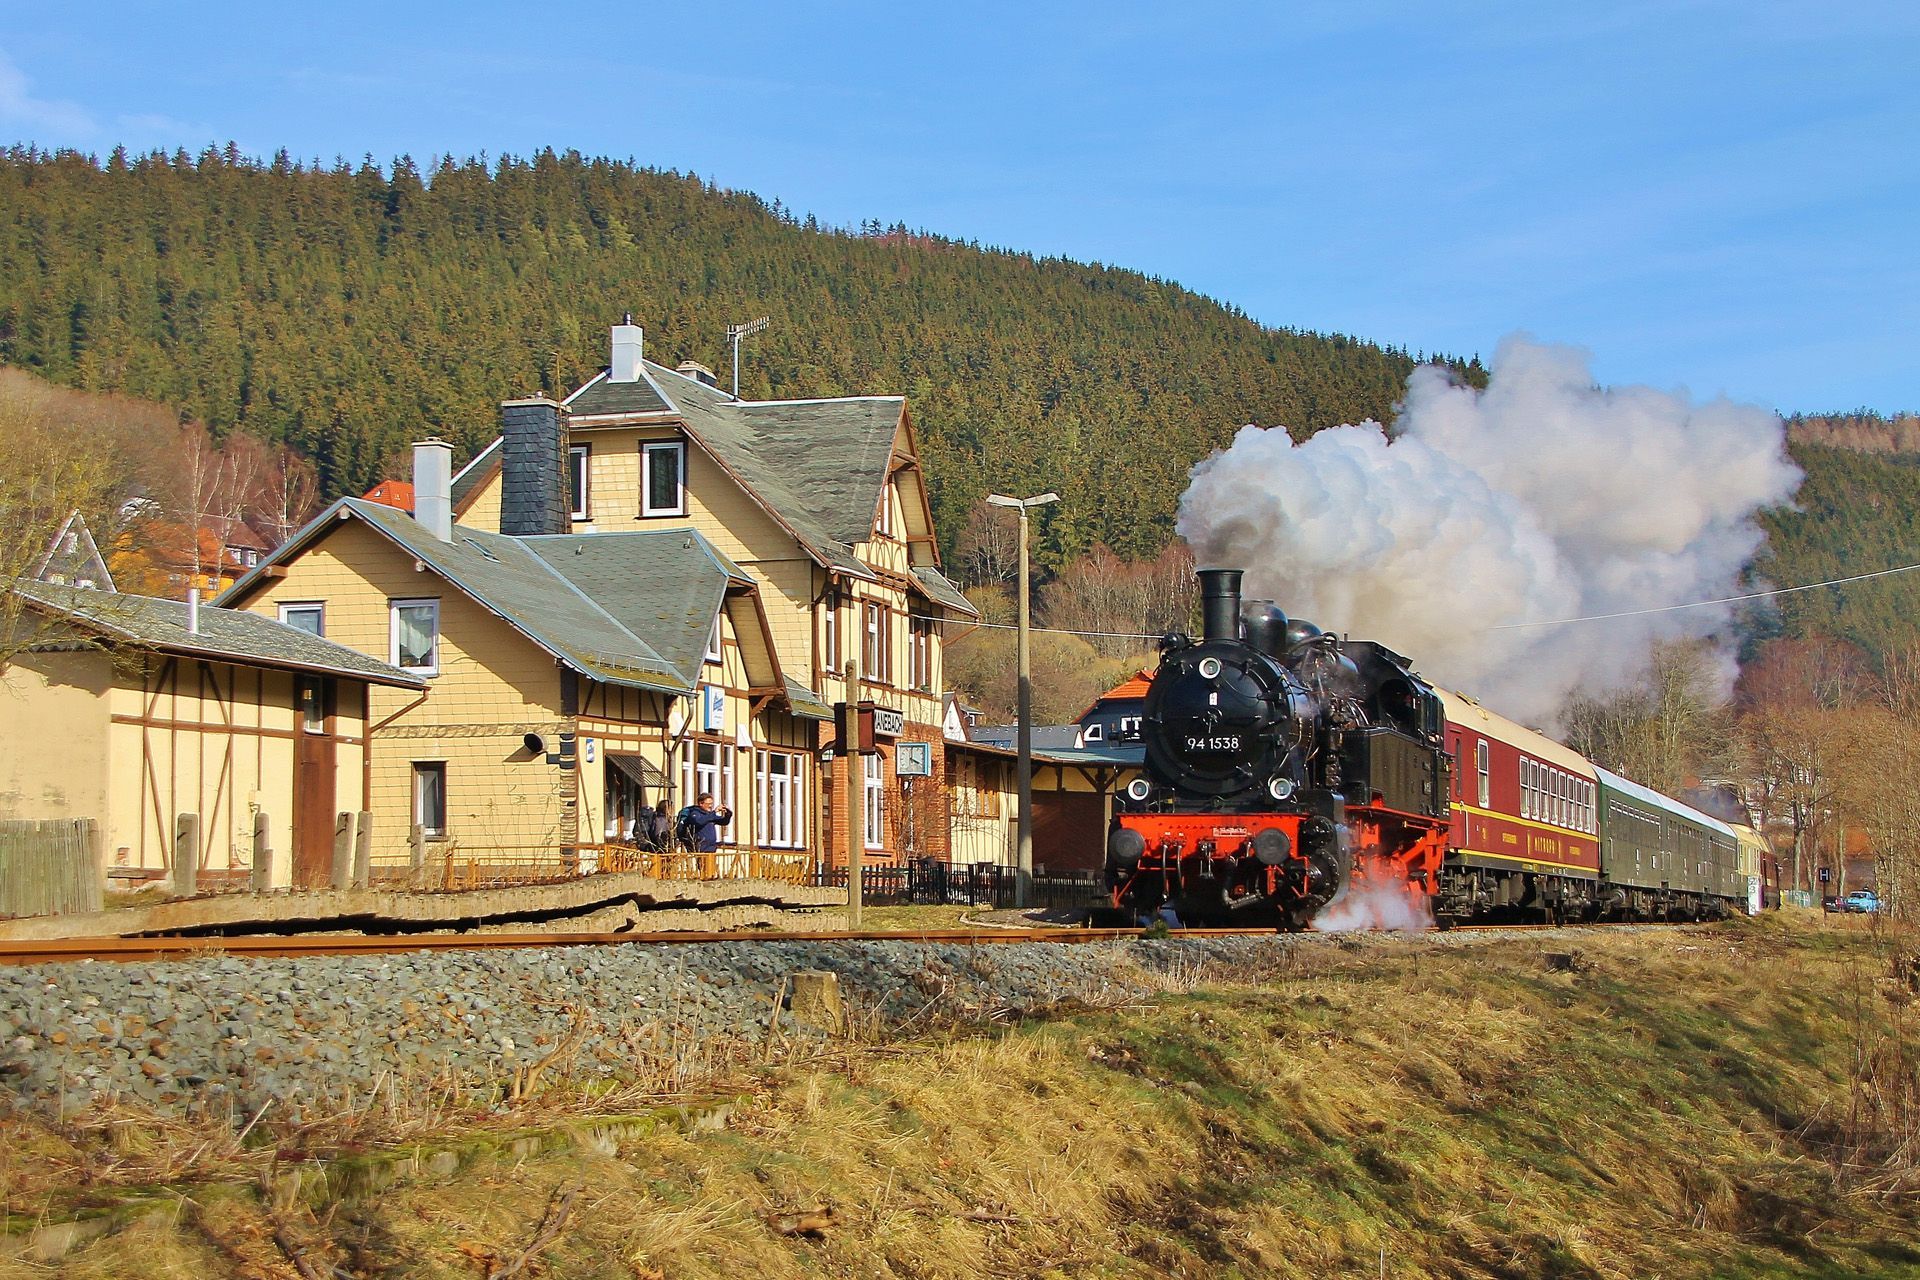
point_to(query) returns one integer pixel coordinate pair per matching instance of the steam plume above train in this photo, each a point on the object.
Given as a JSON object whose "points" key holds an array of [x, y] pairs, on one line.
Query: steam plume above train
{"points": [[1542, 497]]}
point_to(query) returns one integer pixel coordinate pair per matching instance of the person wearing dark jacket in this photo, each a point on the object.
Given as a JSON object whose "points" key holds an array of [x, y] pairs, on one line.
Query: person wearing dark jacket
{"points": [[656, 828], [700, 823]]}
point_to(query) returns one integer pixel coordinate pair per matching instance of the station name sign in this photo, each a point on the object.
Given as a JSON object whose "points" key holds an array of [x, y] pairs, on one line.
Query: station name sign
{"points": [[863, 724]]}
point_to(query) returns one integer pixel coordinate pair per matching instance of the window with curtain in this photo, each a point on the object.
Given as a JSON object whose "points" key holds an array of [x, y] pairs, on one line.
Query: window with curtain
{"points": [[416, 636]]}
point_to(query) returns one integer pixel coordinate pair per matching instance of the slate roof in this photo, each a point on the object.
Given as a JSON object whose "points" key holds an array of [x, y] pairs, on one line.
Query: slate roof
{"points": [[816, 465], [225, 635], [942, 591], [1046, 737], [602, 395], [664, 585], [519, 581]]}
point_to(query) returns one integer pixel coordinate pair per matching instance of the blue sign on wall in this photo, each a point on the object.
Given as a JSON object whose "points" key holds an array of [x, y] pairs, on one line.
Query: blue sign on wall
{"points": [[713, 708]]}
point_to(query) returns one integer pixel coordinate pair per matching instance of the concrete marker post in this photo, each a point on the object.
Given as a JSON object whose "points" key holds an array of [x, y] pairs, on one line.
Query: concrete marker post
{"points": [[343, 850], [186, 855], [363, 850], [262, 853]]}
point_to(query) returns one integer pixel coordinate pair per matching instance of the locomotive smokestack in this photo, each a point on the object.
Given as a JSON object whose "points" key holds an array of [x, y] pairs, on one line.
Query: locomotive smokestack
{"points": [[1220, 604]]}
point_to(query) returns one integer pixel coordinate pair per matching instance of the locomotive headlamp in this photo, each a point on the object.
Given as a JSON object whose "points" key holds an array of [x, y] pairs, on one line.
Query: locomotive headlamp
{"points": [[1209, 668], [1280, 788], [1139, 789]]}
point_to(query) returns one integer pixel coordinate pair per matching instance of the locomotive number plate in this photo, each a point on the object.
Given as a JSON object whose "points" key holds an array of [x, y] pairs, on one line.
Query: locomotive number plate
{"points": [[1215, 742]]}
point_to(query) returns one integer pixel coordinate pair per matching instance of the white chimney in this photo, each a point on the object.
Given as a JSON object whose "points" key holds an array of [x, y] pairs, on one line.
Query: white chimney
{"points": [[433, 487], [193, 611], [627, 339]]}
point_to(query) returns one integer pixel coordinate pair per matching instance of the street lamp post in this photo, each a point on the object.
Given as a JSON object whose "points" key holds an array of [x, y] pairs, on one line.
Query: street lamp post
{"points": [[1023, 739]]}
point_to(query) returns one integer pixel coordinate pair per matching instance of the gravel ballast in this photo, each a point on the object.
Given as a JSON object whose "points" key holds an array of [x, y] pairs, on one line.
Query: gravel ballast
{"points": [[226, 1037]]}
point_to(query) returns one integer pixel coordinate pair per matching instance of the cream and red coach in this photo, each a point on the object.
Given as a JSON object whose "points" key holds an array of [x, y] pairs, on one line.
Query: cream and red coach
{"points": [[1526, 818]]}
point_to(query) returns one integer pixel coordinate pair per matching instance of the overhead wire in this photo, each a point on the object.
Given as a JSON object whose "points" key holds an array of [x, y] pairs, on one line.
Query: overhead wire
{"points": [[1504, 626], [1702, 604]]}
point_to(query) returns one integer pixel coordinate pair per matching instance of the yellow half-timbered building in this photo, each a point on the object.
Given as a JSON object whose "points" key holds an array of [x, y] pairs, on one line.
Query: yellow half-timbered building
{"points": [[132, 711], [822, 502], [572, 684]]}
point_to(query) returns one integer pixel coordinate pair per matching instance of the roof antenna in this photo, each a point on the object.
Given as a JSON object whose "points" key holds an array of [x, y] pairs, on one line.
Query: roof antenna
{"points": [[735, 332]]}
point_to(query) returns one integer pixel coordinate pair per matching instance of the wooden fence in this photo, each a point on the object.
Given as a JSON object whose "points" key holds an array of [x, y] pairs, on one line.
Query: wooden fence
{"points": [[50, 867]]}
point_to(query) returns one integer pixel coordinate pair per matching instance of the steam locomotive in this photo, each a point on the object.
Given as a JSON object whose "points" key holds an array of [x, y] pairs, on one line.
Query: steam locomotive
{"points": [[1283, 766]]}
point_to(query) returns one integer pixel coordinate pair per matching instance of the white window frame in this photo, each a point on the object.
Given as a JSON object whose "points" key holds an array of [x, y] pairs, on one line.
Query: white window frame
{"points": [[1483, 764], [580, 467], [920, 655], [432, 666], [431, 831], [779, 783], [874, 795], [698, 775], [647, 451], [875, 661], [305, 606], [714, 652], [884, 524], [830, 635]]}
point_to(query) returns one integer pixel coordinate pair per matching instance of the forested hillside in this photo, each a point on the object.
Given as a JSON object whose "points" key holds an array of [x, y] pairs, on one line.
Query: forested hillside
{"points": [[1857, 512], [347, 310]]}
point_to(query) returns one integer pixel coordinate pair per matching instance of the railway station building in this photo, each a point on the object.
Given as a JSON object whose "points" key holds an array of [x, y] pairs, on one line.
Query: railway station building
{"points": [[823, 503], [644, 592]]}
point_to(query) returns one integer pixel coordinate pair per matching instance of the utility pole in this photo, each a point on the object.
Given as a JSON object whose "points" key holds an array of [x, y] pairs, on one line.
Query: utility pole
{"points": [[1023, 760], [849, 746]]}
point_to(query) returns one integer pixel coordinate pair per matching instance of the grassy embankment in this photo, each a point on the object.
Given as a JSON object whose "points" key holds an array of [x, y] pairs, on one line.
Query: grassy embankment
{"points": [[1719, 1102]]}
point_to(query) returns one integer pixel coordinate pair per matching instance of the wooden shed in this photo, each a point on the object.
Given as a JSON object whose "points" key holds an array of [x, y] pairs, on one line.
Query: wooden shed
{"points": [[131, 710]]}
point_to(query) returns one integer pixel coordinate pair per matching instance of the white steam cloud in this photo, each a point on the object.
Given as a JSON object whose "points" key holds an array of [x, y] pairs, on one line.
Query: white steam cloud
{"points": [[1542, 497]]}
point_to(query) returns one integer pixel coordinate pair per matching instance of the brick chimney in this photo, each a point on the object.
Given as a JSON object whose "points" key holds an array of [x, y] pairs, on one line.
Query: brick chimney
{"points": [[533, 468]]}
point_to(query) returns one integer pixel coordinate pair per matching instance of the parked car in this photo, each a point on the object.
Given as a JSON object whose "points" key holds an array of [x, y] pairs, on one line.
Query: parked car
{"points": [[1831, 904], [1863, 901]]}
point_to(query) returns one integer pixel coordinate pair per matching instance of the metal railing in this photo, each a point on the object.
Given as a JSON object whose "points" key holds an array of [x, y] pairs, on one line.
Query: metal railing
{"points": [[983, 884]]}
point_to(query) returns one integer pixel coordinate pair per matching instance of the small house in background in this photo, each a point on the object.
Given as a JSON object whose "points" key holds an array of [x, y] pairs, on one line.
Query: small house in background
{"points": [[1116, 715], [397, 494], [73, 559], [131, 710]]}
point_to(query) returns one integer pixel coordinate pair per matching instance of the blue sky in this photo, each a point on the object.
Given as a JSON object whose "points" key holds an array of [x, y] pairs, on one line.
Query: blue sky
{"points": [[1718, 196]]}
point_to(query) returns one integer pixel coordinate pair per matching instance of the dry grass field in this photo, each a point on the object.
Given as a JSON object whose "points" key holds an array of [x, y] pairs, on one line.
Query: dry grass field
{"points": [[1735, 1101]]}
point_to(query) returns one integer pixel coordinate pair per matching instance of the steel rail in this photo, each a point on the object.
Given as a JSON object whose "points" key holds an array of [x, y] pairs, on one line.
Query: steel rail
{"points": [[269, 946]]}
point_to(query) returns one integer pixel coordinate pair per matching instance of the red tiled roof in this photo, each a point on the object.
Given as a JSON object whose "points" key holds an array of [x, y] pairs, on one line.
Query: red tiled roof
{"points": [[1126, 691], [397, 494]]}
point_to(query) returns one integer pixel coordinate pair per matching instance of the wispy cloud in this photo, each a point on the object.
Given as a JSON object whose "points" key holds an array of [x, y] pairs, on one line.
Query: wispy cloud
{"points": [[23, 112]]}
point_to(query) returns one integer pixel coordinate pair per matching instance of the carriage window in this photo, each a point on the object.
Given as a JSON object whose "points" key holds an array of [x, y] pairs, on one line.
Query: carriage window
{"points": [[1483, 760]]}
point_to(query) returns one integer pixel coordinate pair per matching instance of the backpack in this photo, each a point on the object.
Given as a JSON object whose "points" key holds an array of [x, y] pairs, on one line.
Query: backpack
{"points": [[683, 825]]}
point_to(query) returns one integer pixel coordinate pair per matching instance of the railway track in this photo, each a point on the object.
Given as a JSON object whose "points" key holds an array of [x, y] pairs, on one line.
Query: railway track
{"points": [[49, 950], [276, 946]]}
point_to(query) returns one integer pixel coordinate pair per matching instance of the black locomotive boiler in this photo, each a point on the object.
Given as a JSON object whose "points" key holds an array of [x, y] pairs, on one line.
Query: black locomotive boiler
{"points": [[1283, 767]]}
